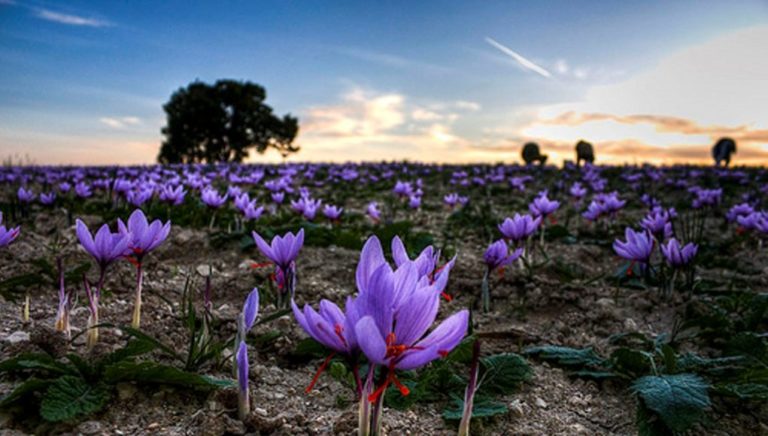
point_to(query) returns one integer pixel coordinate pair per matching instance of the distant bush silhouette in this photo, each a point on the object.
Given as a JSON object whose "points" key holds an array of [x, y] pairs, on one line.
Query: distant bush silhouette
{"points": [[532, 154], [584, 152], [722, 151], [222, 123]]}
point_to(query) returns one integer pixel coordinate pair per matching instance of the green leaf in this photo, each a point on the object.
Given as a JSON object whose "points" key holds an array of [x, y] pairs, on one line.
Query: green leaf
{"points": [[481, 408], [35, 361], [463, 352], [744, 391], [568, 357], [633, 363], [154, 373], [679, 400], [30, 386], [133, 348], [69, 397], [503, 373]]}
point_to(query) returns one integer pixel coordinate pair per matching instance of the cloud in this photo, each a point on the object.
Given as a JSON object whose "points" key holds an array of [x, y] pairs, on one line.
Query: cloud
{"points": [[390, 60], [68, 19], [468, 105], [672, 112], [120, 122], [525, 63], [373, 125]]}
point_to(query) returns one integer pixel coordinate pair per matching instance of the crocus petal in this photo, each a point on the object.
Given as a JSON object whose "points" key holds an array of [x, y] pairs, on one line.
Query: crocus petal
{"points": [[266, 250], [448, 334], [371, 257], [242, 366], [399, 254], [416, 314], [86, 240], [371, 340], [251, 309]]}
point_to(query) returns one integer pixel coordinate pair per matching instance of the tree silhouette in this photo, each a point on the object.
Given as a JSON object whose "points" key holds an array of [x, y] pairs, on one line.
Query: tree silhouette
{"points": [[222, 123]]}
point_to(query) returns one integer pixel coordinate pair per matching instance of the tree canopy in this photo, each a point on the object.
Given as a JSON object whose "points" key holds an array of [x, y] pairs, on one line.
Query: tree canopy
{"points": [[222, 123]]}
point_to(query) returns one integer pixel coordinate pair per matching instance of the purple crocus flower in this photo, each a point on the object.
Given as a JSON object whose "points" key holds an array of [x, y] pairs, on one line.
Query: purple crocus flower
{"points": [[519, 227], [278, 197], [637, 247], [677, 256], [243, 394], [543, 206], [25, 195], [658, 223], [372, 210], [7, 235], [250, 311], [283, 252], [47, 198], [172, 195], [577, 191], [212, 198], [594, 211], [251, 212], [395, 336], [332, 212], [105, 247], [144, 237], [83, 190], [497, 255], [403, 189], [451, 200], [414, 202], [738, 210]]}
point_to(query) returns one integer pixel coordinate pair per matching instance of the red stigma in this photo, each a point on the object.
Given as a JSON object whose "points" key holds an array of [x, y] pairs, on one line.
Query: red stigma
{"points": [[255, 265], [446, 296], [320, 370]]}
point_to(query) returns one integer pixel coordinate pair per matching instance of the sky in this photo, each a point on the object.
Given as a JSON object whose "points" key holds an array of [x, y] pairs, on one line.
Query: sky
{"points": [[445, 81]]}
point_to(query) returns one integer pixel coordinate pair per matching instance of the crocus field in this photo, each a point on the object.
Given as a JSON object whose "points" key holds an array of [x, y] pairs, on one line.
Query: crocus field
{"points": [[391, 298]]}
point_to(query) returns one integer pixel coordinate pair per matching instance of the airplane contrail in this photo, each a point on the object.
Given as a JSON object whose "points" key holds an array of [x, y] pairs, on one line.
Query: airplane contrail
{"points": [[525, 63]]}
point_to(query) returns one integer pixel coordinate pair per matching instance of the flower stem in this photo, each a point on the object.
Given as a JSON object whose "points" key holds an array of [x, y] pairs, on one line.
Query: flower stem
{"points": [[136, 322], [469, 394], [486, 292], [364, 409]]}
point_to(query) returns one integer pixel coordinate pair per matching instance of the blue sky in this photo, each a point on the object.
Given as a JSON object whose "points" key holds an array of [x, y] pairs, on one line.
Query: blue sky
{"points": [[84, 82]]}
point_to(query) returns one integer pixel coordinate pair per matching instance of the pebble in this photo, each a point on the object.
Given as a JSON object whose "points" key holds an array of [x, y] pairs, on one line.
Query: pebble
{"points": [[205, 269], [90, 427], [516, 408], [630, 324], [605, 302], [541, 403], [17, 336], [126, 391]]}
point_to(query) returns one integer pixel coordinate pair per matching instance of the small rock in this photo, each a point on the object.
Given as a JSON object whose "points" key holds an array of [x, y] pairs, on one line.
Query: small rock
{"points": [[17, 336], [284, 323], [205, 269], [630, 324], [541, 403], [578, 429], [605, 302], [126, 391], [90, 427], [516, 408]]}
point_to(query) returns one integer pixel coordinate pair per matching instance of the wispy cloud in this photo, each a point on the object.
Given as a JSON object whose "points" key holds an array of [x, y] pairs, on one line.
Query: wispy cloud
{"points": [[69, 19], [391, 60], [525, 63], [120, 122]]}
